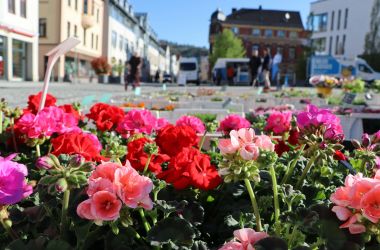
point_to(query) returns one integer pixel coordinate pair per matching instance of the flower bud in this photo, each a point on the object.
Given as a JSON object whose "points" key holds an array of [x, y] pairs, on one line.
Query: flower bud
{"points": [[322, 145], [151, 148], [76, 161], [44, 162], [356, 144], [61, 185], [366, 141]]}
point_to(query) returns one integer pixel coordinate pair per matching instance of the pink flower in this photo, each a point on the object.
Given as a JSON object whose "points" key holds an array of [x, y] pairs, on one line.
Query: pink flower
{"points": [[137, 121], [99, 184], [132, 188], [264, 142], [342, 213], [246, 238], [84, 210], [233, 122], [105, 170], [13, 185], [193, 122], [279, 122], [161, 122], [354, 227], [370, 204]]}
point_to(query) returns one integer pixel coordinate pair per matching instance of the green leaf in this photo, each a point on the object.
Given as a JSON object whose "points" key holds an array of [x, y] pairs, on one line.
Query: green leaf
{"points": [[16, 245], [47, 180], [58, 245], [176, 230]]}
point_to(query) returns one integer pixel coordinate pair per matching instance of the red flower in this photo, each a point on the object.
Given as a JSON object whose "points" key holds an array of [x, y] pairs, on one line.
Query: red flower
{"points": [[85, 144], [282, 147], [191, 168], [172, 139], [339, 156], [138, 158], [68, 108], [34, 102], [106, 117]]}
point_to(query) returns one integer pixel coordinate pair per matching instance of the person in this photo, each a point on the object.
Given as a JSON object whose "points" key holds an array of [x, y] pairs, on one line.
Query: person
{"points": [[266, 69], [276, 68], [127, 75], [230, 74], [157, 76], [135, 68], [254, 65]]}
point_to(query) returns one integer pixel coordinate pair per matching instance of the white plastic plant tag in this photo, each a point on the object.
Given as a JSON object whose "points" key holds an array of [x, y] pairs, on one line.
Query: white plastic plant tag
{"points": [[53, 56]]}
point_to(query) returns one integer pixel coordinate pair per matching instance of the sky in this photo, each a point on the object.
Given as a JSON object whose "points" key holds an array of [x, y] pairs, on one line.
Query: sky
{"points": [[187, 21]]}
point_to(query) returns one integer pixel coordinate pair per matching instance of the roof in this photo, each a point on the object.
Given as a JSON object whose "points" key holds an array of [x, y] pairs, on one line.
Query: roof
{"points": [[261, 17]]}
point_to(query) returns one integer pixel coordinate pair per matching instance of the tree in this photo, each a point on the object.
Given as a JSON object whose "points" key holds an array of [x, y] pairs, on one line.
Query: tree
{"points": [[372, 39], [226, 45]]}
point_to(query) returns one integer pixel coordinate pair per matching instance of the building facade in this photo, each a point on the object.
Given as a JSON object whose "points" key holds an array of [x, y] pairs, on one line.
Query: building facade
{"points": [[61, 19], [19, 40], [279, 31], [339, 26]]}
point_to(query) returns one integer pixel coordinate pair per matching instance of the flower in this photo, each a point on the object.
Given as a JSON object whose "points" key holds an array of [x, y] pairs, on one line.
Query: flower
{"points": [[279, 122], [193, 122], [339, 156], [138, 121], [69, 109], [85, 144], [138, 157], [106, 117], [34, 102], [44, 162], [246, 238], [370, 203], [132, 188], [191, 168], [172, 139], [13, 185], [233, 122]]}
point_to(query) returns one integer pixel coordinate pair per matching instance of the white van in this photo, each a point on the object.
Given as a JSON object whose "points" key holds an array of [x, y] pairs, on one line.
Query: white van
{"points": [[188, 71]]}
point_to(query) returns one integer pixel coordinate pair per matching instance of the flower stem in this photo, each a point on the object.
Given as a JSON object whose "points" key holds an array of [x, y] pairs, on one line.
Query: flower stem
{"points": [[38, 151], [65, 206], [254, 204], [305, 171], [118, 161], [143, 218], [9, 230], [1, 122], [275, 193], [293, 164], [147, 163], [203, 140], [12, 123]]}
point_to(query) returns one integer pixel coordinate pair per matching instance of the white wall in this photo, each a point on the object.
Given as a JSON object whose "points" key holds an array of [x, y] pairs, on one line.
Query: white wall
{"points": [[359, 17]]}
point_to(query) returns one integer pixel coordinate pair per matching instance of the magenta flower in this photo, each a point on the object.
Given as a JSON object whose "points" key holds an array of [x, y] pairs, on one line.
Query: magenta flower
{"points": [[13, 185], [193, 122], [313, 119], [233, 122], [137, 121], [279, 122], [161, 122]]}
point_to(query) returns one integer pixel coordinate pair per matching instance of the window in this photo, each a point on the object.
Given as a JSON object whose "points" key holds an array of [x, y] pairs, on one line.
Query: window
{"points": [[256, 32], [93, 8], [292, 53], [235, 30], [187, 66], [75, 31], [69, 2], [23, 8], [126, 45], [268, 33], [84, 36], [364, 68], [280, 33], [330, 45], [85, 6], [114, 39], [97, 15], [332, 20], [76, 4], [121, 42], [345, 18], [319, 22], [11, 6], [42, 27], [319, 44], [96, 42], [92, 40], [343, 44], [337, 45], [280, 50], [68, 29], [293, 34], [339, 16]]}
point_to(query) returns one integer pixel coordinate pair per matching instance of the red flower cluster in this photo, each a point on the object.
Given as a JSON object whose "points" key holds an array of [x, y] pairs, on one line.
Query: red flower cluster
{"points": [[106, 117], [172, 139], [68, 108], [282, 147], [138, 158], [191, 168], [34, 102], [85, 144]]}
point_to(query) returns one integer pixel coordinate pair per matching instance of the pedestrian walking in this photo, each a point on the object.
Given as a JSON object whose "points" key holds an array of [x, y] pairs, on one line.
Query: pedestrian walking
{"points": [[266, 69], [135, 70], [254, 65], [157, 76], [230, 74]]}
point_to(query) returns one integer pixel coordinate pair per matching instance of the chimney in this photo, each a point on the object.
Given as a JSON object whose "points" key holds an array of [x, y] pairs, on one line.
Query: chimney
{"points": [[233, 10]]}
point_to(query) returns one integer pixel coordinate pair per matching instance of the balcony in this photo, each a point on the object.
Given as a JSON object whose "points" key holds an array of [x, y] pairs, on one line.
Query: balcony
{"points": [[88, 21]]}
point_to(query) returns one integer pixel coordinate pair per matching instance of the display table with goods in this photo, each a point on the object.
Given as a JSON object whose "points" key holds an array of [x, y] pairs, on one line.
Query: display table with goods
{"points": [[119, 177]]}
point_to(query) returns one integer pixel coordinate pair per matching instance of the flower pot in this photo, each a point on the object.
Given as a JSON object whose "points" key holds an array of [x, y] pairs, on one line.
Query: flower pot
{"points": [[102, 78], [324, 92]]}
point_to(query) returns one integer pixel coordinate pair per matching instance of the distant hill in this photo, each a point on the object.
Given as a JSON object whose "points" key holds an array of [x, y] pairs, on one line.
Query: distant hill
{"points": [[186, 50]]}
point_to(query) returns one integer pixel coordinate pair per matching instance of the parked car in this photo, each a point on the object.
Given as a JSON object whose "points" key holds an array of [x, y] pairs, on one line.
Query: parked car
{"points": [[167, 78]]}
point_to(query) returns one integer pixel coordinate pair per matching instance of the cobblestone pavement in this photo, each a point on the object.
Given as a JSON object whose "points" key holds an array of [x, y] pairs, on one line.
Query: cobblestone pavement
{"points": [[16, 93]]}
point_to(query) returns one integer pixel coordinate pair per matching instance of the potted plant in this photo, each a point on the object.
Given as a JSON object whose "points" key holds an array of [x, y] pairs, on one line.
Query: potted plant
{"points": [[117, 70], [324, 85], [355, 86], [102, 68]]}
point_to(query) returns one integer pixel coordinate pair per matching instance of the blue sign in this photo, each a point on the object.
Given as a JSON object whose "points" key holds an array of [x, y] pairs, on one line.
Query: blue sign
{"points": [[324, 65]]}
